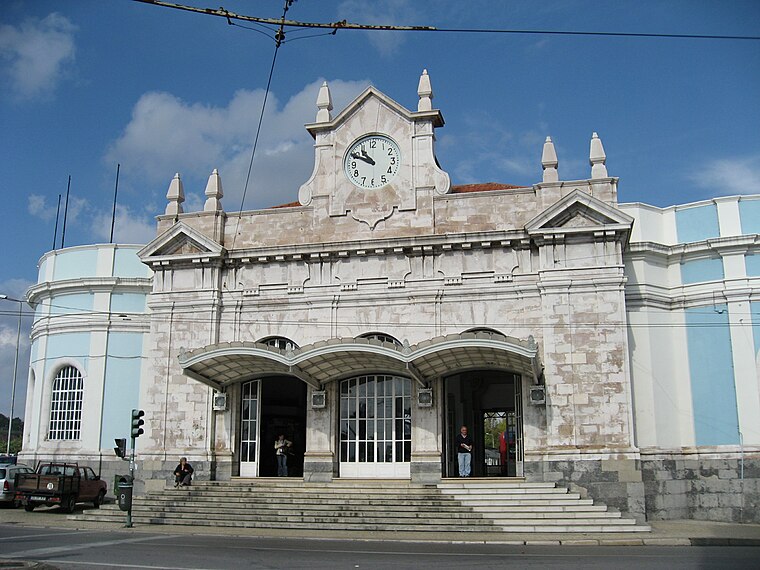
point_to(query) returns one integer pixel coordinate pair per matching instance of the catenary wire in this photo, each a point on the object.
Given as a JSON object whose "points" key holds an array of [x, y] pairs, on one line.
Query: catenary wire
{"points": [[345, 25]]}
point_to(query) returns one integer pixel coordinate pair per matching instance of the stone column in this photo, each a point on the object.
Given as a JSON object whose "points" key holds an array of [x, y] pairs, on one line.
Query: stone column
{"points": [[320, 457], [426, 436]]}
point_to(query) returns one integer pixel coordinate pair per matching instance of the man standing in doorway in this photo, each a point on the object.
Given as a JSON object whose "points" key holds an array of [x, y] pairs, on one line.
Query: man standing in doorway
{"points": [[464, 452]]}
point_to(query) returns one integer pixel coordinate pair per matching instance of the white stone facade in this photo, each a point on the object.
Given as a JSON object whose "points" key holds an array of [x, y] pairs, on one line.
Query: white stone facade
{"points": [[461, 301]]}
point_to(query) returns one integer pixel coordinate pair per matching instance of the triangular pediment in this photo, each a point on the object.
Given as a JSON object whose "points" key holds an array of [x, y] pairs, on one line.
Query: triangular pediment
{"points": [[384, 101], [579, 212], [180, 242]]}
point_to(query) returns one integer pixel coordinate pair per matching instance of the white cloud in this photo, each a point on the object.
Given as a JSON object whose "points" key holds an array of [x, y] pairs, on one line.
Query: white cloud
{"points": [[381, 12], [726, 176], [37, 206], [496, 153], [129, 227], [167, 135], [37, 53]]}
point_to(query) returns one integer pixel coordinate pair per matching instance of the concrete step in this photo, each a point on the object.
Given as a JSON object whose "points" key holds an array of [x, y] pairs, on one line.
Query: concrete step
{"points": [[452, 506]]}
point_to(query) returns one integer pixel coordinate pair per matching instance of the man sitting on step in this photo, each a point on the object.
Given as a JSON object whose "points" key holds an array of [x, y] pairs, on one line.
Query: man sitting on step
{"points": [[183, 474]]}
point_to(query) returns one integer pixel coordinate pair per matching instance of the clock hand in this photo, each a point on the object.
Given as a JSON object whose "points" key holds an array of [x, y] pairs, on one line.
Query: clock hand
{"points": [[367, 158], [363, 157]]}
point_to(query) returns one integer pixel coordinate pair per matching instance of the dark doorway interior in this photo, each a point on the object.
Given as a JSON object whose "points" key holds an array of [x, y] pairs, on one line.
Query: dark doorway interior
{"points": [[484, 401], [283, 410]]}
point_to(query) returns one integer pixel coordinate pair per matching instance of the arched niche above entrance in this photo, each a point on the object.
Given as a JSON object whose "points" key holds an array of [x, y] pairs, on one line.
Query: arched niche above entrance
{"points": [[281, 342], [381, 337]]}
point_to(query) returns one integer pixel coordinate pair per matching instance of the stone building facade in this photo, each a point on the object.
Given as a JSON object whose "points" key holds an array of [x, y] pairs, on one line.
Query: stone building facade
{"points": [[385, 308]]}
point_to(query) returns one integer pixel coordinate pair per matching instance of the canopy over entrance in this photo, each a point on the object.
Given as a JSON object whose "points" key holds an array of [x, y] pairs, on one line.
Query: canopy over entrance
{"points": [[220, 365]]}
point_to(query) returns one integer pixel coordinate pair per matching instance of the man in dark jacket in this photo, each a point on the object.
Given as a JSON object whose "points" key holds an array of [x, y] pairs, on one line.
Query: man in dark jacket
{"points": [[183, 473], [464, 452]]}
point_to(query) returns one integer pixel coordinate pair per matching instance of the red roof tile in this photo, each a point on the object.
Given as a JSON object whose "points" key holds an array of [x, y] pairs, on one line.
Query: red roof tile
{"points": [[484, 187]]}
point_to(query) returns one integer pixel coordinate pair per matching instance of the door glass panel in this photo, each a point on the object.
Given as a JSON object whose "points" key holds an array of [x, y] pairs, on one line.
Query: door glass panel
{"points": [[376, 414], [495, 443], [249, 410]]}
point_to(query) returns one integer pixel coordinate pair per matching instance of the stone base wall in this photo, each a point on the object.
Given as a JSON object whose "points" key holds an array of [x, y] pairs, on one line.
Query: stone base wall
{"points": [[614, 482], [702, 489]]}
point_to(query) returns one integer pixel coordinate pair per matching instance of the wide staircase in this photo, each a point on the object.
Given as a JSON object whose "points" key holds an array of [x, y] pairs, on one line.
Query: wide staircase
{"points": [[474, 505]]}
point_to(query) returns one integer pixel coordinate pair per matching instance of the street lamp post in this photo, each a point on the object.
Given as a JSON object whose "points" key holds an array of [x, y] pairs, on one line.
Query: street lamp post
{"points": [[15, 371]]}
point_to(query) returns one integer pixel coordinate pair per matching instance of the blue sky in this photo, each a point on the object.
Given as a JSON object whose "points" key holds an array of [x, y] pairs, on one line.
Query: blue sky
{"points": [[87, 84]]}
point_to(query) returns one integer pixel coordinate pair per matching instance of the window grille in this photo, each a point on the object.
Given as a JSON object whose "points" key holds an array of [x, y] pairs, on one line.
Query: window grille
{"points": [[376, 419], [66, 404]]}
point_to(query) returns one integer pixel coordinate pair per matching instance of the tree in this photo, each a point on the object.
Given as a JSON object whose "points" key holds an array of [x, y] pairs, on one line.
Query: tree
{"points": [[17, 432]]}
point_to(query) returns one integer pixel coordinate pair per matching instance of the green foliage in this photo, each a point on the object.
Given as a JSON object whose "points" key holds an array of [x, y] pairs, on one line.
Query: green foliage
{"points": [[17, 431]]}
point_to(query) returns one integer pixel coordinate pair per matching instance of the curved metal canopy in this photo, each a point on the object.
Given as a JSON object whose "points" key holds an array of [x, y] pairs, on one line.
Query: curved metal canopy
{"points": [[223, 364]]}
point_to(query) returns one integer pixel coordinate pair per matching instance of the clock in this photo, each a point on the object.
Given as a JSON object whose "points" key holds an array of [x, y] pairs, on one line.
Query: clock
{"points": [[372, 161]]}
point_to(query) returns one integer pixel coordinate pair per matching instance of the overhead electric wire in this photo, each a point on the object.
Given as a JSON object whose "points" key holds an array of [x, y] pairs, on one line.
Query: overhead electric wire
{"points": [[345, 25], [278, 42]]}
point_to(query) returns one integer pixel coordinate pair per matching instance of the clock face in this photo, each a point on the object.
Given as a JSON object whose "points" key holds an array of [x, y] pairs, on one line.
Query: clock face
{"points": [[372, 161]]}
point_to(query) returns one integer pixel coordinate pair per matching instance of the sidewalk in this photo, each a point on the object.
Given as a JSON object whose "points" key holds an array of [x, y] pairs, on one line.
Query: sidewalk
{"points": [[664, 533]]}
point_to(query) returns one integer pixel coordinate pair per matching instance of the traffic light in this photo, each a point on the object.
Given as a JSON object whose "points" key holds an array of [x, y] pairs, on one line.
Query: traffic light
{"points": [[137, 423], [121, 447]]}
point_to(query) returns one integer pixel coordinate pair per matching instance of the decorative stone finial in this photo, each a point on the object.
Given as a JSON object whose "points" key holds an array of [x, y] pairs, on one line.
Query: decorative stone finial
{"points": [[425, 91], [549, 162], [214, 192], [597, 158], [175, 195], [324, 104]]}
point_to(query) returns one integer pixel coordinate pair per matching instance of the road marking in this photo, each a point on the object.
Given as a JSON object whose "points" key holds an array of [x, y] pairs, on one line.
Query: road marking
{"points": [[24, 536], [121, 565], [42, 552]]}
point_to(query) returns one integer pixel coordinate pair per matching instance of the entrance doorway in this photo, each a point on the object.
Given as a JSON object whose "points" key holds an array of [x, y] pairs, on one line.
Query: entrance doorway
{"points": [[270, 407], [489, 403]]}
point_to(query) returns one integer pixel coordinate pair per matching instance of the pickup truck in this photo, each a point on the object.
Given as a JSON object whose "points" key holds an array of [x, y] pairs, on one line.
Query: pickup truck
{"points": [[63, 484]]}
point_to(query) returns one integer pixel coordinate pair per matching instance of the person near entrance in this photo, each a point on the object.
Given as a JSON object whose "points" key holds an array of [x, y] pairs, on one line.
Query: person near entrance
{"points": [[183, 473], [464, 452], [282, 448]]}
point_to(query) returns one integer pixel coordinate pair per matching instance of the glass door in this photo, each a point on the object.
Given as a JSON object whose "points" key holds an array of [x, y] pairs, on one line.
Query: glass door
{"points": [[249, 428], [375, 426], [495, 439]]}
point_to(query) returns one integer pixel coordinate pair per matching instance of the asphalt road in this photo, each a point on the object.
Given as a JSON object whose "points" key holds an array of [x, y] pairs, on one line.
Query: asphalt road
{"points": [[125, 548]]}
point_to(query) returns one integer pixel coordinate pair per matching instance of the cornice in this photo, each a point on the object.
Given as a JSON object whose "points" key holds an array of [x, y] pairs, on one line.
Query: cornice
{"points": [[721, 245], [86, 284]]}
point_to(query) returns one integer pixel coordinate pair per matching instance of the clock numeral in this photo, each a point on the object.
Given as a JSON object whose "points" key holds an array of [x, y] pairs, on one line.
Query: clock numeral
{"points": [[390, 170], [353, 164], [364, 179], [372, 143], [356, 173], [372, 182], [383, 179], [393, 160], [390, 152]]}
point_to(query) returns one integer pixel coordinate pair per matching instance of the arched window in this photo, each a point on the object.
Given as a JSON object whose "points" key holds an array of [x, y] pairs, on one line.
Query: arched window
{"points": [[279, 342], [382, 337], [66, 404]]}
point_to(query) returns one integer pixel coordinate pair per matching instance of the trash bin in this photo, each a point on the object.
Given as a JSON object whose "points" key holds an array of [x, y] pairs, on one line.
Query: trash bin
{"points": [[124, 492]]}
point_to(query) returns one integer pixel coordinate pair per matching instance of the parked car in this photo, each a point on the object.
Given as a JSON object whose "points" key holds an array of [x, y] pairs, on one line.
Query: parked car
{"points": [[8, 473], [64, 484]]}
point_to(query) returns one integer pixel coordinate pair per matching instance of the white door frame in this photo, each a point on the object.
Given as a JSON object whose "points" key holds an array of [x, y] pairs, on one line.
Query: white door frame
{"points": [[251, 468]]}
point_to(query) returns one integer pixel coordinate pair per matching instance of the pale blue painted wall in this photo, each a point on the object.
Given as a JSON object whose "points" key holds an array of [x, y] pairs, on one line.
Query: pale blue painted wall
{"points": [[74, 346], [749, 213], [75, 264], [713, 393], [71, 304], [122, 385], [127, 264], [128, 302], [701, 270], [752, 264], [697, 224]]}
